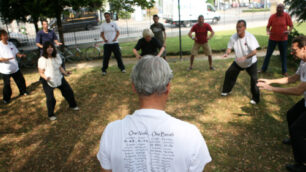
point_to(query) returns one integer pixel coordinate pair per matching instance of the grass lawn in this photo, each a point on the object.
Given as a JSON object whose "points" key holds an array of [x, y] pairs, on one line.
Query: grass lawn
{"points": [[218, 43], [240, 136]]}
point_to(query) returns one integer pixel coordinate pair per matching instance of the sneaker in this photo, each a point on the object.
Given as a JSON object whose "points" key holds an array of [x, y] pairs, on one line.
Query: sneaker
{"points": [[212, 68], [285, 74], [261, 71], [52, 118], [75, 108], [123, 71], [253, 102], [224, 94], [103, 73], [6, 102], [24, 94]]}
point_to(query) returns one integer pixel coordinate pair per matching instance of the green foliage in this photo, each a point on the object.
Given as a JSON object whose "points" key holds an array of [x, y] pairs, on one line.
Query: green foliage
{"points": [[124, 15], [256, 10], [297, 8]]}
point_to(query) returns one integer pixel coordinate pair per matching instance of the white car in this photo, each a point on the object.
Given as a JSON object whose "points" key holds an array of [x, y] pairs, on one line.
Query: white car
{"points": [[18, 39]]}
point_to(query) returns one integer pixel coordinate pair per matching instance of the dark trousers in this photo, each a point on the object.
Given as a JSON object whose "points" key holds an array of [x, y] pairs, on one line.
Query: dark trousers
{"points": [[282, 46], [65, 90], [19, 80], [296, 118], [231, 77], [108, 49]]}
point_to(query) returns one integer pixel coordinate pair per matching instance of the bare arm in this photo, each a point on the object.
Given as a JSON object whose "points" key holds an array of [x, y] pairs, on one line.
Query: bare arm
{"points": [[57, 42], [117, 35], [285, 80], [42, 74], [251, 54], [103, 170], [20, 55], [227, 52], [161, 51], [39, 45], [268, 30], [190, 34], [298, 90], [165, 37], [64, 72], [102, 36], [212, 33], [136, 53], [5, 59]]}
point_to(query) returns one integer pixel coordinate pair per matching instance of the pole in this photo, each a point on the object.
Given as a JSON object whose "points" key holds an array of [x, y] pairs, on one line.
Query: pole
{"points": [[180, 33]]}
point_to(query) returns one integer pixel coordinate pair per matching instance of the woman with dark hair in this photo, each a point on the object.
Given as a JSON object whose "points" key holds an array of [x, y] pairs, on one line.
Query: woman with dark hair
{"points": [[51, 75], [9, 67]]}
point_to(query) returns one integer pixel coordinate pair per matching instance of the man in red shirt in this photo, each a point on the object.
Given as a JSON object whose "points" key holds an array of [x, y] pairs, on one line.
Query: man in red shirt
{"points": [[277, 28], [201, 40]]}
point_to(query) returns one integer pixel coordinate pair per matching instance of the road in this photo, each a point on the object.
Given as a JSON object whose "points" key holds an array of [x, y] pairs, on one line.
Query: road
{"points": [[132, 30]]}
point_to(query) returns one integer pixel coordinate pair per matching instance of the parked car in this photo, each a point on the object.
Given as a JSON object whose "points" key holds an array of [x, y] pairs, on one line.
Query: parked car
{"points": [[18, 39], [77, 20]]}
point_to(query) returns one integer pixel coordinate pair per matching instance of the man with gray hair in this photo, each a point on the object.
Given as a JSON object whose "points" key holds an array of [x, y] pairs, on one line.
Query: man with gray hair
{"points": [[150, 139], [148, 45]]}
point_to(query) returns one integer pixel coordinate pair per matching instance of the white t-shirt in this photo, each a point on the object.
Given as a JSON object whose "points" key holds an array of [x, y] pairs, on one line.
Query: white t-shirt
{"points": [[302, 72], [8, 51], [110, 30], [244, 46], [151, 140], [52, 70]]}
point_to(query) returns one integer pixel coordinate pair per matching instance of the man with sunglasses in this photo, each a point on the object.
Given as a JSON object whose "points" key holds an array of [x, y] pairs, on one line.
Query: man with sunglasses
{"points": [[296, 116]]}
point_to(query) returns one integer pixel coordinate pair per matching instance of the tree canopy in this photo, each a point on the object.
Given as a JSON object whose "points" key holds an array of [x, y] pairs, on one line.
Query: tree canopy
{"points": [[297, 8]]}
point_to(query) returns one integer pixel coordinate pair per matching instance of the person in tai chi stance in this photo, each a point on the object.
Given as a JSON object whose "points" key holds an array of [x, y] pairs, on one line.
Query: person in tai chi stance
{"points": [[150, 139], [245, 45], [296, 116]]}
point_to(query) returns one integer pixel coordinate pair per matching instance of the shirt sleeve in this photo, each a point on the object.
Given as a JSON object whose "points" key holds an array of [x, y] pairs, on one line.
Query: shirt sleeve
{"points": [[104, 150], [231, 42], [59, 59], [289, 21], [38, 37], [157, 43], [209, 27], [200, 156], [15, 50], [116, 26], [193, 29], [298, 72], [54, 36], [253, 43], [138, 45], [42, 63], [270, 21], [163, 27], [102, 29]]}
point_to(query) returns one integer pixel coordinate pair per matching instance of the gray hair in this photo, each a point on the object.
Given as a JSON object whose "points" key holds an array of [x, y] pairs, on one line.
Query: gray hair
{"points": [[151, 75], [147, 32]]}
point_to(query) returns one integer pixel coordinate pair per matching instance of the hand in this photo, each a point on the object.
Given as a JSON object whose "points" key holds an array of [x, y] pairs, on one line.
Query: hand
{"points": [[48, 78], [22, 55], [241, 59], [115, 40], [138, 56], [287, 32], [264, 86], [59, 43], [67, 73], [164, 45], [225, 55], [268, 32], [105, 41], [266, 81]]}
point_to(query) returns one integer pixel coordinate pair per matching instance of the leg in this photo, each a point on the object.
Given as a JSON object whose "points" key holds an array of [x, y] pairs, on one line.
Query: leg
{"points": [[194, 52], [271, 47], [252, 71], [50, 97], [231, 77], [20, 81], [67, 93], [294, 112], [207, 51], [117, 53], [298, 137], [282, 46], [106, 56], [7, 91]]}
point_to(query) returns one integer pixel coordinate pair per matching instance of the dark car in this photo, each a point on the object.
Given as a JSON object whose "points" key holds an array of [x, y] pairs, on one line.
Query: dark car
{"points": [[77, 20]]}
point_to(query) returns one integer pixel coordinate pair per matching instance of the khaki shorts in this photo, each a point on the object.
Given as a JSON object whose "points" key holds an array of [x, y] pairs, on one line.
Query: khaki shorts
{"points": [[197, 46]]}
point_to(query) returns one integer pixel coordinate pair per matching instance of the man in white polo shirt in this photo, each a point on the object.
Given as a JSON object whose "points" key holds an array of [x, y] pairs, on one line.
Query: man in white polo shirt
{"points": [[9, 67], [110, 34], [296, 116], [245, 45], [150, 139]]}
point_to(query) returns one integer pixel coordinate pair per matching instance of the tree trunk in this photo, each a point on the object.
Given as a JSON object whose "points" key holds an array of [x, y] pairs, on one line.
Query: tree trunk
{"points": [[59, 25], [36, 25]]}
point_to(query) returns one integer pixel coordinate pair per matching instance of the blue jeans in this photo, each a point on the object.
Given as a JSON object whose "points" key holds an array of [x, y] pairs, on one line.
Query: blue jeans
{"points": [[282, 46]]}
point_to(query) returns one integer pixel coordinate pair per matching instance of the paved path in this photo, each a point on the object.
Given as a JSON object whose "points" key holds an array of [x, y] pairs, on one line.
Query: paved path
{"points": [[98, 63]]}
